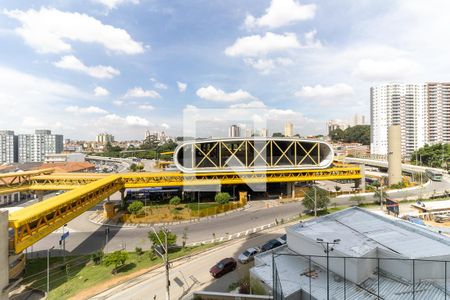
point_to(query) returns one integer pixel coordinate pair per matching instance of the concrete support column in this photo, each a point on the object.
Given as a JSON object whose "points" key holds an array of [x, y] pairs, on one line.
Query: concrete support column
{"points": [[40, 195], [122, 197], [4, 249], [363, 178], [394, 154], [290, 189]]}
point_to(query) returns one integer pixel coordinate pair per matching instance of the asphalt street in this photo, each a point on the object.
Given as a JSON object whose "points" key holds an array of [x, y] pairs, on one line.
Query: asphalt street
{"points": [[189, 274]]}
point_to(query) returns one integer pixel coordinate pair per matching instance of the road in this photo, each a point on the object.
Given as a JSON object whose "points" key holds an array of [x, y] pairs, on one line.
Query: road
{"points": [[189, 274], [86, 237]]}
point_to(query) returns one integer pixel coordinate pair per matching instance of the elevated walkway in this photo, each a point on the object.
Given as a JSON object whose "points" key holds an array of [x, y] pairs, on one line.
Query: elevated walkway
{"points": [[85, 190]]}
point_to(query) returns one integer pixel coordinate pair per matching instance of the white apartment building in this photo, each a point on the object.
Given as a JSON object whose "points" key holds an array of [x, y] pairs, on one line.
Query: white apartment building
{"points": [[234, 131], [406, 105], [8, 147], [288, 129], [358, 120], [34, 147], [104, 138], [438, 104]]}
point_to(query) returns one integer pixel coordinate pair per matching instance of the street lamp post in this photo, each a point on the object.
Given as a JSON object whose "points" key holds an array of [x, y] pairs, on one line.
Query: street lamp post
{"points": [[327, 249], [48, 269]]}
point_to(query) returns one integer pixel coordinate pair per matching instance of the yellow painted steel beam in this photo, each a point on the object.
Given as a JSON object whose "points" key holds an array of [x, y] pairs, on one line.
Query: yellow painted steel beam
{"points": [[19, 181], [36, 221]]}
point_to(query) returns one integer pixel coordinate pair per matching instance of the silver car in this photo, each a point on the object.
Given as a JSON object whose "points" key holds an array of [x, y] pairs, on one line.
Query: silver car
{"points": [[248, 255]]}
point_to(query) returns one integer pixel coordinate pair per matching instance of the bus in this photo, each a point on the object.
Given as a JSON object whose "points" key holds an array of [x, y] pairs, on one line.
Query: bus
{"points": [[434, 175]]}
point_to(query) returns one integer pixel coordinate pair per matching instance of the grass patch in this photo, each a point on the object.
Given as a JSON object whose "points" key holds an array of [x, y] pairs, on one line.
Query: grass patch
{"points": [[205, 205], [81, 273]]}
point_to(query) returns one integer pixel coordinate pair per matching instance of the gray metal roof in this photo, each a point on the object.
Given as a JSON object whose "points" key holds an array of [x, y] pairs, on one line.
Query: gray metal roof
{"points": [[361, 231], [291, 266]]}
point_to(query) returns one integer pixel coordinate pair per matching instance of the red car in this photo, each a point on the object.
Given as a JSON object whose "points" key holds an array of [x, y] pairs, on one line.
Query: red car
{"points": [[223, 267]]}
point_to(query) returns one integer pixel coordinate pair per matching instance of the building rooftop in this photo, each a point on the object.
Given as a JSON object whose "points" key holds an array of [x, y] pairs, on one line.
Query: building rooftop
{"points": [[297, 273], [362, 231]]}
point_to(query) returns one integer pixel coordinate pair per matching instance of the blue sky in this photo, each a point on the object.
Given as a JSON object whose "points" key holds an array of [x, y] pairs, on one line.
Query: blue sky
{"points": [[125, 66]]}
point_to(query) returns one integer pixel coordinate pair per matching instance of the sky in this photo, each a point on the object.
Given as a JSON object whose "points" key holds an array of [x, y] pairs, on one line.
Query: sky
{"points": [[126, 66]]}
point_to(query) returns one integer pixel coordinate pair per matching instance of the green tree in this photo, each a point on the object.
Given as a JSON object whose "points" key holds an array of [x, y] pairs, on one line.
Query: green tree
{"points": [[116, 259], [358, 199], [378, 194], [160, 236], [222, 198], [322, 199], [135, 207], [133, 167], [337, 135], [175, 201], [277, 134], [357, 134], [436, 156]]}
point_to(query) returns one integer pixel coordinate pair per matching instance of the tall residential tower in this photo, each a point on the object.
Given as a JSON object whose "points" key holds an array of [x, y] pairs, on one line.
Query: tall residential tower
{"points": [[421, 110]]}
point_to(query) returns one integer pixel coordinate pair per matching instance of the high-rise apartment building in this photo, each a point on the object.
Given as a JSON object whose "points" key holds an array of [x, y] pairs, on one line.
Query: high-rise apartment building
{"points": [[336, 124], [263, 132], [422, 111], [34, 147], [8, 147], [288, 129], [104, 138], [234, 131], [358, 120], [438, 117]]}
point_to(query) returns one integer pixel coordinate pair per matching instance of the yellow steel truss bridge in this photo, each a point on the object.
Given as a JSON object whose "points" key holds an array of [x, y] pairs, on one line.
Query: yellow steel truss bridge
{"points": [[85, 190]]}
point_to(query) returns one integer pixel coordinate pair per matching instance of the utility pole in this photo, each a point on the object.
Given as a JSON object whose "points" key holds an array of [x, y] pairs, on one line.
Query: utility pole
{"points": [[165, 257], [315, 201], [381, 196], [327, 250], [48, 269]]}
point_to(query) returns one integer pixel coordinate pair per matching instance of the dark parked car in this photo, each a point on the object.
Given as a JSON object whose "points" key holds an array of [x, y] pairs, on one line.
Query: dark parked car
{"points": [[283, 239], [223, 267], [270, 245]]}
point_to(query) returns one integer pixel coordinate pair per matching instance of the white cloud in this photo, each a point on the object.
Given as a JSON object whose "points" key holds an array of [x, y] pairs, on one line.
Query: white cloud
{"points": [[118, 102], [257, 45], [112, 4], [281, 13], [32, 122], [181, 86], [385, 70], [160, 86], [85, 110], [213, 94], [251, 104], [320, 91], [115, 120], [265, 66], [70, 62], [165, 125], [146, 107], [49, 30], [100, 91], [139, 92]]}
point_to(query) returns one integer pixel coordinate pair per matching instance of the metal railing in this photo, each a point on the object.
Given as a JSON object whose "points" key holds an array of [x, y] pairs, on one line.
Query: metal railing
{"points": [[360, 278]]}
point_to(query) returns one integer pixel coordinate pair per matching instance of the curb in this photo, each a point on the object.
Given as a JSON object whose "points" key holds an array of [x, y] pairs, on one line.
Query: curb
{"points": [[244, 232], [146, 225]]}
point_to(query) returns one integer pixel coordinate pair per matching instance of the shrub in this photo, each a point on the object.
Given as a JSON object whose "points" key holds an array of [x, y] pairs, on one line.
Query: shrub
{"points": [[138, 251], [116, 259], [358, 199], [160, 236], [96, 257], [222, 198], [135, 207], [175, 201]]}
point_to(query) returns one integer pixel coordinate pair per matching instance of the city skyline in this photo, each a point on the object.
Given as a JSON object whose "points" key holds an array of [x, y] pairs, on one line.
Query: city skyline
{"points": [[139, 64]]}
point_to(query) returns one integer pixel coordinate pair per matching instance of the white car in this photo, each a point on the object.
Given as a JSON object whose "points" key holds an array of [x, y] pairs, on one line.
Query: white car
{"points": [[248, 255]]}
